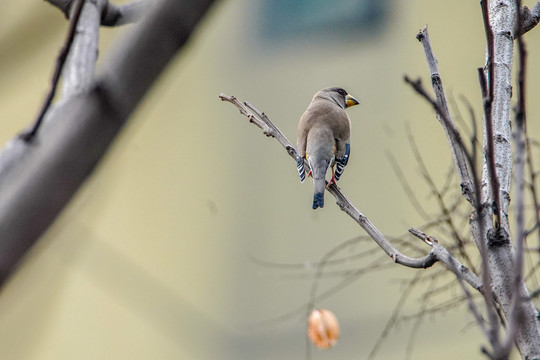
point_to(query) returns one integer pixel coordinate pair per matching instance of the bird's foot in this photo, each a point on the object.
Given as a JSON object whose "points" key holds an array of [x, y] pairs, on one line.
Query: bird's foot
{"points": [[332, 181]]}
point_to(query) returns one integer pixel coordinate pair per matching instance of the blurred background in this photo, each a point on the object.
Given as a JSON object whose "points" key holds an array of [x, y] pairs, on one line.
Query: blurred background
{"points": [[194, 232]]}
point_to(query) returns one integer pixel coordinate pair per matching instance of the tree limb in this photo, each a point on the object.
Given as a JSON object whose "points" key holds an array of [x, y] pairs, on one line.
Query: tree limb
{"points": [[112, 15], [529, 17], [60, 61], [516, 314], [79, 72], [76, 135], [444, 117], [487, 81]]}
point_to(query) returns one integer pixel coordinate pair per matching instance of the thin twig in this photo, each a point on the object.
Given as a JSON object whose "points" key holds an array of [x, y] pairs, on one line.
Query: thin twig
{"points": [[444, 306], [459, 151], [488, 89], [418, 322], [395, 315], [407, 187], [445, 212], [113, 15], [315, 284], [374, 266], [262, 121], [60, 61]]}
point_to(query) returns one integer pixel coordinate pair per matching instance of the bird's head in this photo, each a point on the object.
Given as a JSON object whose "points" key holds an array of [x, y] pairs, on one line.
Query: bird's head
{"points": [[337, 95]]}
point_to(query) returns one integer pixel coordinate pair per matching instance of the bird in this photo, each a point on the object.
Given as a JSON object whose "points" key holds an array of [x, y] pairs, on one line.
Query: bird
{"points": [[323, 139]]}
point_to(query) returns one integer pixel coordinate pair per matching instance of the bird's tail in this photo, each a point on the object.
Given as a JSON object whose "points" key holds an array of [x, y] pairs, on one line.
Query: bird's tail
{"points": [[319, 161], [319, 186]]}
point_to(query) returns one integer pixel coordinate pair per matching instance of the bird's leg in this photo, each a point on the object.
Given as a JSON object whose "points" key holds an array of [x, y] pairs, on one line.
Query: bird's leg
{"points": [[332, 179]]}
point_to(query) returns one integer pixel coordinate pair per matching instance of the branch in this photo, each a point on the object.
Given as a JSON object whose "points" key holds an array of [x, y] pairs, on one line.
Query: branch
{"points": [[60, 61], [519, 172], [113, 15], [487, 81], [470, 185], [78, 75], [447, 213], [78, 133], [262, 122], [442, 255], [529, 18], [437, 253], [392, 320], [443, 115]]}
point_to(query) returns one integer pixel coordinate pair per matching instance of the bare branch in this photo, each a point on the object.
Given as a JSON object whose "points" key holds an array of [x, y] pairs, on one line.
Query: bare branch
{"points": [[395, 315], [315, 285], [445, 211], [262, 122], [407, 188], [418, 321], [376, 265], [519, 172], [487, 81], [529, 18], [442, 255], [467, 184], [113, 15], [78, 74], [443, 115], [60, 61]]}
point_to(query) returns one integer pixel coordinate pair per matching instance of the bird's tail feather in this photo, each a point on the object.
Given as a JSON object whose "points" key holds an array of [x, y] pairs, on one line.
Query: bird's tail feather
{"points": [[319, 166], [318, 193]]}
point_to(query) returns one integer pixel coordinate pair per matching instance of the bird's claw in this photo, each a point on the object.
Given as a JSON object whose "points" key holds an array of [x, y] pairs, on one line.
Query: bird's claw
{"points": [[331, 182]]}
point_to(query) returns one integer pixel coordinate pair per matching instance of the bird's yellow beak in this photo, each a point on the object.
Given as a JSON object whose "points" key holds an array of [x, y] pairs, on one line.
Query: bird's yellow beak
{"points": [[351, 101]]}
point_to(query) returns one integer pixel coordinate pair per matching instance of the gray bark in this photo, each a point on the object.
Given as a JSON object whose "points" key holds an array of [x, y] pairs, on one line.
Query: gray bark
{"points": [[500, 249]]}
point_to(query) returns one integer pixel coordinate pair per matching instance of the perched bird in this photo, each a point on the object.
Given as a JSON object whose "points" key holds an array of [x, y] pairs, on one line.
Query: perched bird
{"points": [[323, 138]]}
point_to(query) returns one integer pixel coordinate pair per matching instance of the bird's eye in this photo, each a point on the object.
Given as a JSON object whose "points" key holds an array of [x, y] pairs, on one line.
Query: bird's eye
{"points": [[342, 92]]}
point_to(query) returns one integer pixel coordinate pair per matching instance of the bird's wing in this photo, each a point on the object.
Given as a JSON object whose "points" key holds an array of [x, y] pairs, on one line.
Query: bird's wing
{"points": [[341, 162], [303, 128]]}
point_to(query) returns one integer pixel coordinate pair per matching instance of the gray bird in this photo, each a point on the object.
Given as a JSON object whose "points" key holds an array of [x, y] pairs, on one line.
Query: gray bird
{"points": [[323, 138]]}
